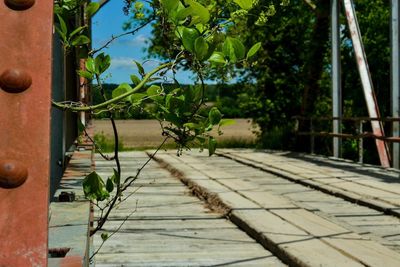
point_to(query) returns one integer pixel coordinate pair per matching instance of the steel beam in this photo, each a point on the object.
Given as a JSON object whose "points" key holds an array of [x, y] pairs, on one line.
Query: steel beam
{"points": [[366, 82], [395, 80], [25, 97], [336, 77]]}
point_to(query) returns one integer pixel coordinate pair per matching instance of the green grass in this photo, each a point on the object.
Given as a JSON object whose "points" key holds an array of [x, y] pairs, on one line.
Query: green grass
{"points": [[107, 144], [237, 143], [226, 143]]}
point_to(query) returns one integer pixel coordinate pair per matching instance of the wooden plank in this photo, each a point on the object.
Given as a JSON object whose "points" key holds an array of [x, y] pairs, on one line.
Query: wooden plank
{"points": [[193, 259], [172, 228], [313, 225], [367, 200], [289, 241]]}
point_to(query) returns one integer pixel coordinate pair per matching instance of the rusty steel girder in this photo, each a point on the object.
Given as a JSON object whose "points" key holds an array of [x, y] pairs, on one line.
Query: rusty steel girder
{"points": [[366, 81], [25, 102]]}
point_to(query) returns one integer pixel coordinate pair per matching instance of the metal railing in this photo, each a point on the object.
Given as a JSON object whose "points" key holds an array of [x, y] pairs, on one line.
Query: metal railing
{"points": [[359, 134]]}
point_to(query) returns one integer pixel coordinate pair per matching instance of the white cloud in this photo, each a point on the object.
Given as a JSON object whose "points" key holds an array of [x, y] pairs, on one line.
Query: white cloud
{"points": [[138, 41], [122, 63]]}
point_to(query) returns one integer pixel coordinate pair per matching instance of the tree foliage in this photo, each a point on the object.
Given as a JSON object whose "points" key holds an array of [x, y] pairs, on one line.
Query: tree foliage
{"points": [[291, 73]]}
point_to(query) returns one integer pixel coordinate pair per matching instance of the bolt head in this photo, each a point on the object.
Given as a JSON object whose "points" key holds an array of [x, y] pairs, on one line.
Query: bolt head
{"points": [[15, 80], [12, 174], [19, 4]]}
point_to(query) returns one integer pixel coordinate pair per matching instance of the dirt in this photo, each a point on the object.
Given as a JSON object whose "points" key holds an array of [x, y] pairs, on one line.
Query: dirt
{"points": [[147, 133]]}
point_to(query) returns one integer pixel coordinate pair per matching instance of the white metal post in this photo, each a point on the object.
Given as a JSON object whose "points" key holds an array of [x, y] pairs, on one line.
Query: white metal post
{"points": [[395, 80], [336, 77]]}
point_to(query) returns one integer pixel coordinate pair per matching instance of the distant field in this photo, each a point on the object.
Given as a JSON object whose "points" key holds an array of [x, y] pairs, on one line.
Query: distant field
{"points": [[147, 133]]}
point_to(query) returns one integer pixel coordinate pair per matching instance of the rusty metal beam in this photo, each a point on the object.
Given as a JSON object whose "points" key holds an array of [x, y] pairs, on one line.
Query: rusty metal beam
{"points": [[25, 95], [366, 82]]}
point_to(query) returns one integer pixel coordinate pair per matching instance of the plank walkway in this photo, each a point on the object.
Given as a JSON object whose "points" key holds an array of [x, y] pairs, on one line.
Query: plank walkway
{"points": [[171, 227], [274, 198], [308, 211]]}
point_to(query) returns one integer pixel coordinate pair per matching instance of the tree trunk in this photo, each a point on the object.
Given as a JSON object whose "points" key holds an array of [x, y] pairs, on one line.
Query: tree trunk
{"points": [[313, 67]]}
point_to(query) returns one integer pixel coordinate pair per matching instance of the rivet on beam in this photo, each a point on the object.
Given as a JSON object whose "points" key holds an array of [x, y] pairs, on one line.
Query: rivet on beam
{"points": [[19, 4], [12, 174], [15, 81]]}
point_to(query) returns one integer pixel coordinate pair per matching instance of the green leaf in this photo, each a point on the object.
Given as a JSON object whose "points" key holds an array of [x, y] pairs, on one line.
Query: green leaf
{"points": [[253, 50], [77, 30], [212, 145], [192, 126], [200, 47], [239, 48], [62, 35], [189, 37], [234, 49], [135, 98], [102, 63], [115, 178], [121, 89], [170, 5], [217, 57], [85, 74], [63, 25], [183, 13], [94, 188], [81, 126], [92, 8], [104, 236], [214, 116], [90, 65], [154, 90], [226, 122], [199, 11], [245, 4], [135, 79], [109, 185], [80, 40], [140, 68]]}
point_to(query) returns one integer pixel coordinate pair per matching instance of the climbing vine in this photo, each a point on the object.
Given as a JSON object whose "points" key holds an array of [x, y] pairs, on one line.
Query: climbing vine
{"points": [[198, 39]]}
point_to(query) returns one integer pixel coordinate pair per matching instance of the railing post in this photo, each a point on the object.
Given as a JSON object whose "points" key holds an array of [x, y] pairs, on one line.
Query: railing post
{"points": [[312, 137], [336, 78], [25, 102], [395, 77], [360, 142]]}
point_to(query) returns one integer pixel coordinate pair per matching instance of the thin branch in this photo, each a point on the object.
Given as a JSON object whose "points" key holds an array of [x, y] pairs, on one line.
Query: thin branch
{"points": [[116, 99], [104, 218], [129, 180], [311, 4], [96, 146], [114, 232], [113, 38]]}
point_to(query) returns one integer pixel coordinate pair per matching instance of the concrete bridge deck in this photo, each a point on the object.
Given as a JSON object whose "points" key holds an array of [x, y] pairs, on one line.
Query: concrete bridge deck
{"points": [[291, 208]]}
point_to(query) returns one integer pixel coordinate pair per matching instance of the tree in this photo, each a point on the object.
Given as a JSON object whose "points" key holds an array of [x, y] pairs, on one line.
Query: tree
{"points": [[291, 75]]}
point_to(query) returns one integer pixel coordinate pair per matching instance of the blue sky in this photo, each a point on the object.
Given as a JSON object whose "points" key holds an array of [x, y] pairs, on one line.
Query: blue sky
{"points": [[107, 22]]}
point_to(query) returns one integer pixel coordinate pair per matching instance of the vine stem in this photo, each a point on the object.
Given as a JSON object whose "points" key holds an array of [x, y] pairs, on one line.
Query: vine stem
{"points": [[115, 99], [103, 220], [113, 233]]}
